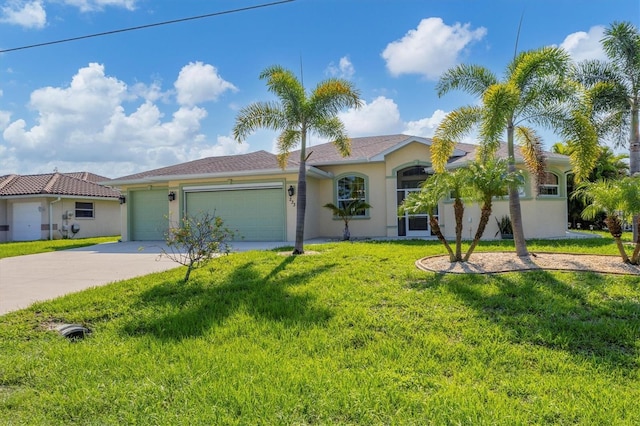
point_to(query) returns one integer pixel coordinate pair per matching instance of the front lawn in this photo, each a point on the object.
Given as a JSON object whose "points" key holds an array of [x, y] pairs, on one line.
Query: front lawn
{"points": [[33, 247], [352, 335]]}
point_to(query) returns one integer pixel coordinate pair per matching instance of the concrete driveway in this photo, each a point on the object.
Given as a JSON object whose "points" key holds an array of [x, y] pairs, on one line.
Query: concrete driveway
{"points": [[38, 277]]}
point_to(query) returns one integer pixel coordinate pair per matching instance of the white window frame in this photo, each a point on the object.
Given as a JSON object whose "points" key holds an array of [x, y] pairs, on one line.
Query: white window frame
{"points": [[84, 209], [553, 188], [363, 191]]}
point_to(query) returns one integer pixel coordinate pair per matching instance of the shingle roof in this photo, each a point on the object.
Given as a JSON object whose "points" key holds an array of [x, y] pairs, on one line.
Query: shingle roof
{"points": [[56, 184], [253, 161], [363, 149]]}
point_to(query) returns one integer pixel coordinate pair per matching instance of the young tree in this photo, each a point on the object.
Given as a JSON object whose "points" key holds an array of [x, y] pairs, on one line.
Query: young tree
{"points": [[437, 187], [197, 240], [617, 199], [534, 91], [490, 179], [608, 166], [296, 115], [346, 213]]}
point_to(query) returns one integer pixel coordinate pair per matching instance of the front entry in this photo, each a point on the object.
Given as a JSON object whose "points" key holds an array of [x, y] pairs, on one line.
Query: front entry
{"points": [[409, 181]]}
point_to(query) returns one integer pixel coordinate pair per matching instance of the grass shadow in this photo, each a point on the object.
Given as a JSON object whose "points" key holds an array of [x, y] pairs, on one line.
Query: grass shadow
{"points": [[538, 309], [176, 310]]}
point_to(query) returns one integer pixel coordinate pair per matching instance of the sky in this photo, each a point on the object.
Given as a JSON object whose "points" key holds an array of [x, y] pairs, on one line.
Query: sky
{"points": [[139, 100]]}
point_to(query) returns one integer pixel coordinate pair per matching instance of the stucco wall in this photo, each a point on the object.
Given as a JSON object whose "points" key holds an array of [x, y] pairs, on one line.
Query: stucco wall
{"points": [[106, 220], [374, 225], [176, 207], [4, 221]]}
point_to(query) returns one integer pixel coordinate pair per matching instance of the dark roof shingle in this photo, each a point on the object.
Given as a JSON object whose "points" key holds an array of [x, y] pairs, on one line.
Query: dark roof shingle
{"points": [[253, 161]]}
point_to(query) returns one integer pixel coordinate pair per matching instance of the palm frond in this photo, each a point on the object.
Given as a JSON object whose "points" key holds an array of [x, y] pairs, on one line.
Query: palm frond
{"points": [[452, 128], [286, 86], [287, 141], [258, 115], [333, 95], [499, 101], [532, 65], [473, 79], [532, 152]]}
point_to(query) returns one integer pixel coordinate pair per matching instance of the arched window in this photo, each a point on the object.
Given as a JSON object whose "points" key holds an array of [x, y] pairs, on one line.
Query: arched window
{"points": [[549, 185], [350, 188]]}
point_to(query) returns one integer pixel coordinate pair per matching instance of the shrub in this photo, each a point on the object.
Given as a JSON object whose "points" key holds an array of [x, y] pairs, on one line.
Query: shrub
{"points": [[197, 240]]}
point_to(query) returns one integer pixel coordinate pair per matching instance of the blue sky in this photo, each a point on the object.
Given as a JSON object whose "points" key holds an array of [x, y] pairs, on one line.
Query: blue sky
{"points": [[139, 100]]}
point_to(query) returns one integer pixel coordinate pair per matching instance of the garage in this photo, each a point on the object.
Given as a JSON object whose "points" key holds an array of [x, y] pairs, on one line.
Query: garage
{"points": [[27, 220], [256, 212], [149, 214]]}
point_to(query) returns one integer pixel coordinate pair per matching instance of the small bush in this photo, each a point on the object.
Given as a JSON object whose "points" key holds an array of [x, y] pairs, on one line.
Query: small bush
{"points": [[197, 240]]}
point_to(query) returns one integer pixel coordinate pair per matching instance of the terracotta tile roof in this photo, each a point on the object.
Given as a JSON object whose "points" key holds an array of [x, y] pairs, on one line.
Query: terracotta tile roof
{"points": [[253, 161], [55, 184], [89, 177]]}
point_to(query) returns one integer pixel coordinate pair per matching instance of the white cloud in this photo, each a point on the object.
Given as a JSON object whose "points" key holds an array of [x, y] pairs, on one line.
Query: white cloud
{"points": [[225, 145], [379, 117], [425, 127], [585, 45], [98, 5], [344, 69], [430, 49], [198, 82], [5, 118], [25, 14], [85, 126]]}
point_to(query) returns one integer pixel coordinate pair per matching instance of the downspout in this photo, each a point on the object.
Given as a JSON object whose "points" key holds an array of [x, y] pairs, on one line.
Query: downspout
{"points": [[51, 217]]}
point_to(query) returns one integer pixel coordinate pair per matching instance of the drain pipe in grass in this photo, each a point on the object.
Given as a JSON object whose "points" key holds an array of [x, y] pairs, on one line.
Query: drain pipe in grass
{"points": [[51, 217]]}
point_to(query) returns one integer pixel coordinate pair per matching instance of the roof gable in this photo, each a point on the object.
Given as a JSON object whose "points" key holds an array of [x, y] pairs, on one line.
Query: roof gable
{"points": [[365, 149]]}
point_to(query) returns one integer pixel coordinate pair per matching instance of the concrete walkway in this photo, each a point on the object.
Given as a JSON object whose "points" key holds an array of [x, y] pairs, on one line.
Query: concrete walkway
{"points": [[38, 277]]}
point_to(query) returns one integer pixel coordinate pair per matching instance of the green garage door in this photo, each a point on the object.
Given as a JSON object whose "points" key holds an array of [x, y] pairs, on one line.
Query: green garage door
{"points": [[256, 214], [149, 214]]}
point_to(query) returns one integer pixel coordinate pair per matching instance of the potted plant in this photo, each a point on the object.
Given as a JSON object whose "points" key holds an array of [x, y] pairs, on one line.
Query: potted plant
{"points": [[504, 228], [346, 213]]}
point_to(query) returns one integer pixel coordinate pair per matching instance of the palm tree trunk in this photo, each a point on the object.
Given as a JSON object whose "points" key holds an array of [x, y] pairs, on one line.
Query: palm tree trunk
{"points": [[623, 252], [635, 256], [301, 207], [614, 224], [484, 219], [435, 227], [634, 156], [458, 209], [514, 201]]}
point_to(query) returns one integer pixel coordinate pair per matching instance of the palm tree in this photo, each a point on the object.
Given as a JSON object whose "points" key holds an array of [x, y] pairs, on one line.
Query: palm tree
{"points": [[616, 88], [489, 180], [535, 91], [616, 199], [346, 213], [452, 184], [296, 115], [608, 165]]}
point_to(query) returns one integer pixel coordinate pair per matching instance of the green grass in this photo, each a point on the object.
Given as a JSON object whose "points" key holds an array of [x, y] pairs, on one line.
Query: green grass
{"points": [[353, 335], [33, 247]]}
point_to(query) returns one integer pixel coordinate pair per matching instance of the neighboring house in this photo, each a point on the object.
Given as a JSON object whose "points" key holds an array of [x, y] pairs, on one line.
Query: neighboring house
{"points": [[57, 205], [252, 194]]}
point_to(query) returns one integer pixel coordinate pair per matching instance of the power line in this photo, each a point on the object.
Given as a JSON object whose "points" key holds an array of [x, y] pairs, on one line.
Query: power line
{"points": [[140, 27]]}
